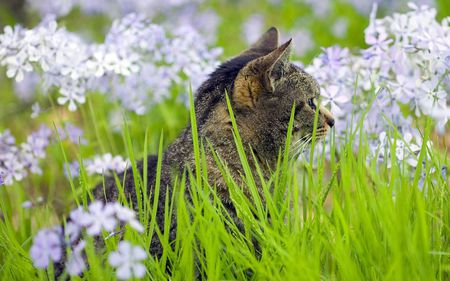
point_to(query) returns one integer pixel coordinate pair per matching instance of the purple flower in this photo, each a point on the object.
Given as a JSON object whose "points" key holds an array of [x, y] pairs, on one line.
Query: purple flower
{"points": [[27, 204], [47, 247], [99, 217], [36, 110], [73, 168], [72, 231], [127, 215], [75, 134], [333, 57], [403, 88], [76, 265], [336, 98]]}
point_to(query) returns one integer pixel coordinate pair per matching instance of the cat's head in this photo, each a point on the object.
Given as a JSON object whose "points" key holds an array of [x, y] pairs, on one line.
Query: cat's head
{"points": [[267, 88], [263, 86]]}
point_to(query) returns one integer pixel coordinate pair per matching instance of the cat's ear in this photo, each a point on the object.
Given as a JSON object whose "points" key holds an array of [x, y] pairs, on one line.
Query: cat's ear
{"points": [[265, 44], [259, 76], [273, 65]]}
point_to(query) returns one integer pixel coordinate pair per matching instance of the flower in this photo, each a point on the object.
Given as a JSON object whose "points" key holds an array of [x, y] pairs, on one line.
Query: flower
{"points": [[76, 265], [127, 260], [73, 230], [36, 110], [106, 163], [74, 134], [17, 160], [17, 66], [99, 217], [333, 57], [47, 247], [127, 215], [137, 64], [27, 204], [405, 63], [336, 98], [403, 87], [71, 96], [48, 244]]}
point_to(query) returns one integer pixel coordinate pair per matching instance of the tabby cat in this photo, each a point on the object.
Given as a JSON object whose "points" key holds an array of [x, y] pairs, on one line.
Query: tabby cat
{"points": [[263, 86]]}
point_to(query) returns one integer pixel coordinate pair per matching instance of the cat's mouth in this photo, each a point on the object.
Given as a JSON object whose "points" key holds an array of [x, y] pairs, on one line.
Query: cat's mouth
{"points": [[301, 142], [320, 134]]}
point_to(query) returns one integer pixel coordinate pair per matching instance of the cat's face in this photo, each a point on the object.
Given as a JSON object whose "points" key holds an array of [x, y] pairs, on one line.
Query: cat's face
{"points": [[266, 90]]}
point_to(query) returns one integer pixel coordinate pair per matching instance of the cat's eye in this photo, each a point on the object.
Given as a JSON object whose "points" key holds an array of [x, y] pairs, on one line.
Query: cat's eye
{"points": [[312, 103]]}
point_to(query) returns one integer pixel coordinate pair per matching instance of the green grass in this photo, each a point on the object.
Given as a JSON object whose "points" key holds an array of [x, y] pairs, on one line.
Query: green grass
{"points": [[345, 219]]}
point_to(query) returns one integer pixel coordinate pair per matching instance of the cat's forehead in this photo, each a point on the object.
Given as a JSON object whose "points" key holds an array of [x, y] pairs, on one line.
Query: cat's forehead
{"points": [[299, 79]]}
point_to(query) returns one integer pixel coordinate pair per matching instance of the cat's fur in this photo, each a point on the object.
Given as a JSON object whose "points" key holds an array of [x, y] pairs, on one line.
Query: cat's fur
{"points": [[263, 86]]}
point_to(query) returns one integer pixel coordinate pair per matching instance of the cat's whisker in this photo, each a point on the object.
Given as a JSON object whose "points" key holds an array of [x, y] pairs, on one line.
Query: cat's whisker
{"points": [[300, 145]]}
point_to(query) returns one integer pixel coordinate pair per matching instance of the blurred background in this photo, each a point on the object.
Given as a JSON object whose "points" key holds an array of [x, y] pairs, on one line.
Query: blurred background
{"points": [[313, 24]]}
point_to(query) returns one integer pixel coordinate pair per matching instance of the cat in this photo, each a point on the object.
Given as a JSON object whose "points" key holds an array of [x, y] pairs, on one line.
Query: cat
{"points": [[263, 85]]}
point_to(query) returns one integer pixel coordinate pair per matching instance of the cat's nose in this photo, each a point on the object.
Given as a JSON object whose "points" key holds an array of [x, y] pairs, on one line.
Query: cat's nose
{"points": [[328, 116], [330, 122]]}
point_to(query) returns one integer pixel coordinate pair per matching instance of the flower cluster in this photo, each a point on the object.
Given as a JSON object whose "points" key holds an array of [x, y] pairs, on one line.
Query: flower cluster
{"points": [[99, 164], [16, 161], [49, 244], [105, 163], [405, 150], [364, 7], [112, 8], [406, 65], [180, 12], [137, 64]]}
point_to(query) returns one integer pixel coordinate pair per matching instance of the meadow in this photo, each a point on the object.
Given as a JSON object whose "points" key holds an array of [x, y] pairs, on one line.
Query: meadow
{"points": [[88, 89]]}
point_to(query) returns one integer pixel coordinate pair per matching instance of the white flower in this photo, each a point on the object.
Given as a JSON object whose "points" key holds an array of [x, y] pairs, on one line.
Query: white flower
{"points": [[106, 163], [118, 164], [127, 260], [17, 65], [71, 95]]}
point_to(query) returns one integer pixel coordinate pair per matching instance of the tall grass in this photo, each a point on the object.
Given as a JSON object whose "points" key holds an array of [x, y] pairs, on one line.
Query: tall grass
{"points": [[340, 219]]}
